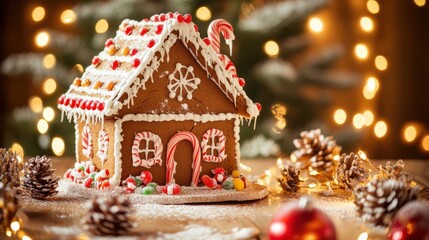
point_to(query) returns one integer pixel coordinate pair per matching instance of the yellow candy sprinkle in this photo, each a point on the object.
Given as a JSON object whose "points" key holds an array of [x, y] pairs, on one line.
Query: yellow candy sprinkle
{"points": [[235, 173], [111, 50], [125, 51], [238, 184]]}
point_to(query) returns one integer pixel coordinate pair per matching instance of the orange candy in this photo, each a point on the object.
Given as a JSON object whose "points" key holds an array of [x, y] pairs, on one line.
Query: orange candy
{"points": [[110, 86], [111, 49], [125, 51], [97, 85], [86, 83], [77, 82]]}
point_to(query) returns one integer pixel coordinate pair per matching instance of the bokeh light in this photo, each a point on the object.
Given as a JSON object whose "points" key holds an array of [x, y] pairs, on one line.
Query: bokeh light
{"points": [[366, 24], [203, 13], [340, 116], [380, 129], [380, 63], [49, 61], [35, 103], [101, 26], [68, 16], [271, 48], [42, 126], [16, 147], [358, 121], [315, 24], [420, 3], [38, 14], [58, 146], [41, 39], [361, 51], [425, 143], [48, 114], [368, 117], [373, 6], [49, 86]]}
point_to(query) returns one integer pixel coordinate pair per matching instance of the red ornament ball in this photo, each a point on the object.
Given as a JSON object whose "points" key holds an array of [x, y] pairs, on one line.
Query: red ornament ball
{"points": [[410, 222], [301, 221]]}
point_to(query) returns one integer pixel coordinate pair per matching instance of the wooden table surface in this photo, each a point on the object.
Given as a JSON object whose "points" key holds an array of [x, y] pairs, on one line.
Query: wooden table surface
{"points": [[60, 218]]}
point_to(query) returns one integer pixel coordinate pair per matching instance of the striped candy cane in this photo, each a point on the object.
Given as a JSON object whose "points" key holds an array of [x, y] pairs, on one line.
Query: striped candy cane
{"points": [[196, 156], [103, 146], [217, 27], [220, 147], [87, 142], [156, 150]]}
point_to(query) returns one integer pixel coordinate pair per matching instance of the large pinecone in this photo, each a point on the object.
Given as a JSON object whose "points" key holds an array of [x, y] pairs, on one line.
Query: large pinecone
{"points": [[289, 181], [351, 172], [8, 206], [39, 179], [9, 168], [316, 152], [380, 199], [109, 216]]}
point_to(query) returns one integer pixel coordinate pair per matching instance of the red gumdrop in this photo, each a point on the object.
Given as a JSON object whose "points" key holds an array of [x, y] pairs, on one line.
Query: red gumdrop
{"points": [[95, 61], [180, 18], [146, 177], [143, 31], [171, 189], [83, 105], [170, 15], [220, 170], [162, 17], [78, 101], [100, 106], [61, 99], [67, 174], [136, 62], [242, 82], [108, 42], [208, 181], [114, 64], [196, 27], [94, 105], [159, 29], [206, 41], [133, 52], [129, 30], [151, 43], [187, 18], [89, 104], [105, 184], [259, 106], [88, 182], [154, 18], [66, 101]]}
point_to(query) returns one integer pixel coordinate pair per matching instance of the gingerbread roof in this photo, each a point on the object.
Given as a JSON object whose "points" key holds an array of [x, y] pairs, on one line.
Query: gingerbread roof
{"points": [[113, 79]]}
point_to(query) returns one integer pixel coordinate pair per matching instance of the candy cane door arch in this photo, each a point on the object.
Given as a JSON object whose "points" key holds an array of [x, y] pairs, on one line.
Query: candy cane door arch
{"points": [[196, 156]]}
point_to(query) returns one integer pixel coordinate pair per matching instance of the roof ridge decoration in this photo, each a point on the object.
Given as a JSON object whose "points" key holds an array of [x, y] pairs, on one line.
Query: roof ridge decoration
{"points": [[104, 82]]}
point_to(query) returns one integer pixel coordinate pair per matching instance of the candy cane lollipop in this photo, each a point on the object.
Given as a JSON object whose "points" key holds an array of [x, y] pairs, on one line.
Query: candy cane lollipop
{"points": [[220, 26]]}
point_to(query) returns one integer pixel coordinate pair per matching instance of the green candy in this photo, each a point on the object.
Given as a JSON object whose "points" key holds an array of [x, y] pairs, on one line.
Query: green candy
{"points": [[153, 184], [138, 181], [228, 183], [148, 190], [92, 175]]}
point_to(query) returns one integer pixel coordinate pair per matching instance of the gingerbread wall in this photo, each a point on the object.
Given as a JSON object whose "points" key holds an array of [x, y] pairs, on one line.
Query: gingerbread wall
{"points": [[183, 154]]}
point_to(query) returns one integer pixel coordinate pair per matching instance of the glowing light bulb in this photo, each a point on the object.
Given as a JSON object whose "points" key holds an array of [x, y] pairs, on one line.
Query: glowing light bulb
{"points": [[373, 6], [68, 16], [48, 114], [420, 3], [340, 116], [42, 126], [372, 84], [380, 129], [425, 143], [366, 24], [49, 86], [58, 146], [49, 61], [361, 51], [35, 103], [368, 117], [41, 39], [358, 121], [38, 14], [315, 24], [15, 226], [101, 26], [380, 63], [203, 13], [271, 48]]}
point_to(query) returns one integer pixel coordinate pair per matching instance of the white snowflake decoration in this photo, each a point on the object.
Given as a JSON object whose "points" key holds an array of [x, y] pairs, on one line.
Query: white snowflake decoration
{"points": [[182, 80]]}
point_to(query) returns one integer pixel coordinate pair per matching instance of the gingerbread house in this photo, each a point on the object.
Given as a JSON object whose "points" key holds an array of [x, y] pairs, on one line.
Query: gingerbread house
{"points": [[160, 98]]}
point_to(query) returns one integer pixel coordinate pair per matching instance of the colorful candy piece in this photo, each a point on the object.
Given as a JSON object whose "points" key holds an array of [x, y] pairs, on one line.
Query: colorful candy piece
{"points": [[187, 18], [214, 30], [138, 181], [228, 183], [220, 170], [146, 177], [67, 174], [244, 180], [129, 190], [235, 173], [88, 183], [238, 184], [208, 181], [105, 184], [135, 63], [153, 184], [219, 177], [148, 190], [259, 106], [131, 183], [171, 189]]}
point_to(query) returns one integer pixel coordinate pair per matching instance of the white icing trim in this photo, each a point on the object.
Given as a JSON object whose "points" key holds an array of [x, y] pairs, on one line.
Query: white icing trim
{"points": [[237, 141], [116, 178], [180, 117], [76, 140]]}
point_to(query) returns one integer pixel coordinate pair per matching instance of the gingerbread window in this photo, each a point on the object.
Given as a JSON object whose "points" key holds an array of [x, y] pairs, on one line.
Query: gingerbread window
{"points": [[146, 150], [213, 146]]}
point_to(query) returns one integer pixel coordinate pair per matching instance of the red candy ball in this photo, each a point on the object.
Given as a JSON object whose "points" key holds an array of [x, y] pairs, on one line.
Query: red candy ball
{"points": [[143, 31], [159, 29], [171, 189], [114, 64], [208, 181], [88, 182], [108, 42], [100, 106], [151, 43], [129, 30], [146, 177], [180, 18], [187, 18], [136, 62], [133, 52], [242, 83], [206, 41], [297, 221], [259, 106], [95, 61], [410, 222]]}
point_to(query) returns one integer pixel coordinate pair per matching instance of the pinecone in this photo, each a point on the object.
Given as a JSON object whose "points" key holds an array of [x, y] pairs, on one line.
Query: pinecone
{"points": [[290, 179], [396, 172], [39, 179], [316, 152], [109, 216], [380, 199], [9, 168], [351, 172], [8, 206]]}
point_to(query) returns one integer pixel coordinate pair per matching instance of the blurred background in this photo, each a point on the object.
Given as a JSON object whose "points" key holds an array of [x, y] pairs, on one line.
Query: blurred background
{"points": [[356, 69]]}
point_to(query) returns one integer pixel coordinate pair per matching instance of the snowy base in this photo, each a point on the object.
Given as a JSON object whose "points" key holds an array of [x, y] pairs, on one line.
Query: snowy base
{"points": [[187, 195]]}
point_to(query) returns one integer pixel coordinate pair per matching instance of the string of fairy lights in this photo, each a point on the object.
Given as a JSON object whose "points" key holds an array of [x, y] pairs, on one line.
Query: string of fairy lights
{"points": [[411, 132]]}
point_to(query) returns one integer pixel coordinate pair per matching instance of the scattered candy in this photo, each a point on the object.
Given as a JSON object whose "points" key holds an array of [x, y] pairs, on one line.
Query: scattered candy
{"points": [[131, 183], [125, 51], [219, 177], [143, 31], [108, 42], [218, 170], [153, 184], [136, 62], [105, 184], [208, 181], [244, 180], [159, 29], [235, 173], [146, 177], [148, 190], [77, 82], [151, 43], [88, 183], [206, 41], [228, 183], [114, 64], [129, 30], [95, 61], [171, 189], [134, 52], [138, 181], [238, 184]]}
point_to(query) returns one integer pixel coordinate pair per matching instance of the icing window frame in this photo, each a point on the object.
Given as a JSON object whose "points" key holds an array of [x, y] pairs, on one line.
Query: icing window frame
{"points": [[208, 155], [157, 149]]}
